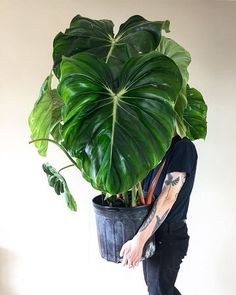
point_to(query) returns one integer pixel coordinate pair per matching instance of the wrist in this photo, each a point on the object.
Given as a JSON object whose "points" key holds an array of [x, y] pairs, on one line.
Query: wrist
{"points": [[141, 238]]}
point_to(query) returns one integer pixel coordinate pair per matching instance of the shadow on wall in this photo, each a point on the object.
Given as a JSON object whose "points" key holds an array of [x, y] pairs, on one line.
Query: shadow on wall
{"points": [[6, 267]]}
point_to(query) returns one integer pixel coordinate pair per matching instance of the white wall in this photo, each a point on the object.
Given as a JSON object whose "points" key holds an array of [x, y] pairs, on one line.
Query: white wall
{"points": [[46, 249]]}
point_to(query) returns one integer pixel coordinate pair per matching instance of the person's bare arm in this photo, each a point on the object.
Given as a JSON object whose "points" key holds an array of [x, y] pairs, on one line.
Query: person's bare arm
{"points": [[132, 250]]}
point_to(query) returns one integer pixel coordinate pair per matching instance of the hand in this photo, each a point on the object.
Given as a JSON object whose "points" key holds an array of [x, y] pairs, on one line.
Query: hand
{"points": [[131, 252]]}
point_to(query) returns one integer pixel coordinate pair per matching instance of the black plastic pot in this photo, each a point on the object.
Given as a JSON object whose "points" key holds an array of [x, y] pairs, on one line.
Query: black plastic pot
{"points": [[117, 225]]}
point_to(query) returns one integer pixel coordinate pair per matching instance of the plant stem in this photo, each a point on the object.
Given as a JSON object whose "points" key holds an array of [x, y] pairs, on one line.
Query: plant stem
{"points": [[60, 146], [134, 194], [126, 198], [66, 167], [140, 193]]}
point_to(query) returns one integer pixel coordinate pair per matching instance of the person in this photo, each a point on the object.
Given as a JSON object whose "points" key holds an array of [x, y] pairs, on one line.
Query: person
{"points": [[166, 220]]}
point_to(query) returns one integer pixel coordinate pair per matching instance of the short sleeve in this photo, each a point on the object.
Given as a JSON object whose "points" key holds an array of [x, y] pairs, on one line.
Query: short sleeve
{"points": [[184, 157]]}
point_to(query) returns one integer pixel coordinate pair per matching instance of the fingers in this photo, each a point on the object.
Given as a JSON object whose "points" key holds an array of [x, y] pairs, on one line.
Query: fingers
{"points": [[131, 257], [129, 260], [132, 264], [125, 260]]}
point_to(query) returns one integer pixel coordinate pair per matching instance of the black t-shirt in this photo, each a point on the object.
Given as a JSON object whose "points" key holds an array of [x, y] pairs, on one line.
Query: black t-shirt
{"points": [[180, 157]]}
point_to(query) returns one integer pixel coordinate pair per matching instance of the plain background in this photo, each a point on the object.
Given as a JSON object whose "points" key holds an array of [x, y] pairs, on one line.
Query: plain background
{"points": [[45, 248]]}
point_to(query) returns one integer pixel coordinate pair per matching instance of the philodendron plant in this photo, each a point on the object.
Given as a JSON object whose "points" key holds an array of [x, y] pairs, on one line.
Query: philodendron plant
{"points": [[117, 103]]}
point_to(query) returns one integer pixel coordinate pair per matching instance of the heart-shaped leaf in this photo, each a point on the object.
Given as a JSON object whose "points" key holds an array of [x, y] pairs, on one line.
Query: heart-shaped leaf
{"points": [[136, 35], [118, 135]]}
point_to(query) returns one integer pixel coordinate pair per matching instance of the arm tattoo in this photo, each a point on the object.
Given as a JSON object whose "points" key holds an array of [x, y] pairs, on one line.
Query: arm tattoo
{"points": [[150, 217], [160, 220], [170, 180]]}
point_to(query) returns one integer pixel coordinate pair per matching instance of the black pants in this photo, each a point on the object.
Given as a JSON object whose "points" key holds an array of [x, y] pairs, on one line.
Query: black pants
{"points": [[160, 270]]}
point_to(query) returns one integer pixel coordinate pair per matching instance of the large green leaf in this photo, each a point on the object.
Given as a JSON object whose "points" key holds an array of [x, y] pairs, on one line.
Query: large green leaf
{"points": [[45, 115], [195, 115], [84, 34], [136, 35], [182, 58], [118, 136]]}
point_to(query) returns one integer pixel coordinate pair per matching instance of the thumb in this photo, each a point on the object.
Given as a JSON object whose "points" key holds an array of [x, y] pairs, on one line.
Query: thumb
{"points": [[122, 251]]}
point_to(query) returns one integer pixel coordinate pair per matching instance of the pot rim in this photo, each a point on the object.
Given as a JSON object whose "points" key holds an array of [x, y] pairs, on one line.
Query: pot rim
{"points": [[100, 206]]}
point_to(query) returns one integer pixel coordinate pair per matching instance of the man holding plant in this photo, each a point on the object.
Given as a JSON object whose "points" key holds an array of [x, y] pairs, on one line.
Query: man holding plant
{"points": [[113, 92], [167, 219]]}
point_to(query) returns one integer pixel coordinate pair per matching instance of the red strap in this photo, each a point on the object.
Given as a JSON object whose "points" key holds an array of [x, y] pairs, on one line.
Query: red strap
{"points": [[152, 187]]}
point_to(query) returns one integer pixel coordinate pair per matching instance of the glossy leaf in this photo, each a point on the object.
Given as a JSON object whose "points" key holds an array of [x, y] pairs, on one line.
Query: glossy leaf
{"points": [[58, 182], [136, 35], [45, 115], [195, 115], [118, 135], [182, 58], [84, 34]]}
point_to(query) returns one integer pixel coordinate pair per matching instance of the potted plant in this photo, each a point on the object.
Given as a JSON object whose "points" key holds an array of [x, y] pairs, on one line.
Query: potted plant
{"points": [[117, 103]]}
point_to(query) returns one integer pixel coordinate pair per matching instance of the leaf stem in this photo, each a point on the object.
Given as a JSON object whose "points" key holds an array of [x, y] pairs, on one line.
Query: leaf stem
{"points": [[60, 146], [126, 198], [140, 193], [133, 197], [66, 167]]}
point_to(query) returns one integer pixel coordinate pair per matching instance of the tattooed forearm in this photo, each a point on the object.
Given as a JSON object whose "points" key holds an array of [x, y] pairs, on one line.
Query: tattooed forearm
{"points": [[160, 220], [170, 190], [150, 217]]}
